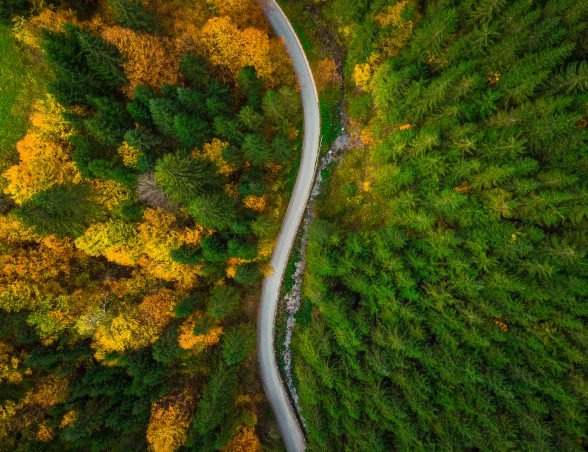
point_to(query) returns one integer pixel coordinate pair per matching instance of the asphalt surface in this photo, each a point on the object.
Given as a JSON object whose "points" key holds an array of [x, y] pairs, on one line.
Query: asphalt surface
{"points": [[270, 375]]}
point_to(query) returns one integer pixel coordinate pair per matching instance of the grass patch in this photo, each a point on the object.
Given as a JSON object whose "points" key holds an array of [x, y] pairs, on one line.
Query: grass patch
{"points": [[22, 83]]}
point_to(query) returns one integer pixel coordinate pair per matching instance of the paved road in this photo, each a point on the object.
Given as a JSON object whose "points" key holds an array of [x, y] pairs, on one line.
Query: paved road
{"points": [[274, 387]]}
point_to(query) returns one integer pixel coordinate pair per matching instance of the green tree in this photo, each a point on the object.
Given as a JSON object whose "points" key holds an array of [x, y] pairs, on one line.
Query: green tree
{"points": [[65, 210], [238, 342], [223, 301], [183, 178], [216, 401], [214, 211], [133, 14], [256, 149]]}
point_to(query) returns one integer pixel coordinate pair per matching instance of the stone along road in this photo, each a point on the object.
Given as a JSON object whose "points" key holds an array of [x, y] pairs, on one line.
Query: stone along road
{"points": [[274, 387]]}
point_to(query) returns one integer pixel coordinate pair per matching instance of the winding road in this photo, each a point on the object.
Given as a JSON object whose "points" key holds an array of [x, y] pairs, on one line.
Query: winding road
{"points": [[274, 387]]}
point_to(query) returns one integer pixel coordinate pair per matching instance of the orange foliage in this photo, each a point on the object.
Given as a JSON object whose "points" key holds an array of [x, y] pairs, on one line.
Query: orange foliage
{"points": [[256, 203], [367, 137], [44, 434], [10, 361], [232, 49], [150, 60], [326, 73], [157, 309], [12, 231], [243, 440], [52, 391], [244, 13], [170, 419], [188, 340], [192, 236], [43, 163], [68, 418], [31, 273], [464, 187], [29, 31]]}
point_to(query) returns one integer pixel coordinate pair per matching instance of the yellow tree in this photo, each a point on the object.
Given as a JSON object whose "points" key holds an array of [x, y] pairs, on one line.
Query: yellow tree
{"points": [[243, 440], [43, 163], [158, 236], [188, 340], [115, 239], [30, 273], [232, 49], [136, 326], [170, 419], [213, 152], [244, 13], [150, 60]]}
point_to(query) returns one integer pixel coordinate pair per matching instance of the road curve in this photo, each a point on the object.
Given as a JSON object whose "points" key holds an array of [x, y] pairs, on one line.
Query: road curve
{"points": [[270, 376]]}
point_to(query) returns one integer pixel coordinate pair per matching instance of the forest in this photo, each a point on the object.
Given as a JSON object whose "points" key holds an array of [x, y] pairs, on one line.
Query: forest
{"points": [[444, 299], [148, 151]]}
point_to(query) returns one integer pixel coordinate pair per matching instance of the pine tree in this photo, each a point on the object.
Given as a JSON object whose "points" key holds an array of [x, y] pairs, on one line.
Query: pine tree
{"points": [[65, 210], [214, 211], [237, 343], [223, 302], [183, 178], [133, 14]]}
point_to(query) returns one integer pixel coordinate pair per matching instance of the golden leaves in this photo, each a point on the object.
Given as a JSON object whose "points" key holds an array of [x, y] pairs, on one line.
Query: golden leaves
{"points": [[189, 340], [170, 419], [150, 60], [233, 49]]}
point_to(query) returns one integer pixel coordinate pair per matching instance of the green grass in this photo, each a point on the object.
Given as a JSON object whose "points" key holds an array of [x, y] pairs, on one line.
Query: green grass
{"points": [[21, 85]]}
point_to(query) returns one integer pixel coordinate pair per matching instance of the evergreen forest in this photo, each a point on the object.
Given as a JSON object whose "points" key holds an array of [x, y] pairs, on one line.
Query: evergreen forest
{"points": [[445, 294], [138, 212]]}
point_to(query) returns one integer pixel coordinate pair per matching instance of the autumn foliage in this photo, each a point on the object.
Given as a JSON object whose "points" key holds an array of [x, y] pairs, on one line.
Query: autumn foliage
{"points": [[150, 60], [124, 207], [170, 418]]}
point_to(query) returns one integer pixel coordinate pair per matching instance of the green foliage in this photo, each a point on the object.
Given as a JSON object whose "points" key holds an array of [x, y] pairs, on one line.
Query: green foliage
{"points": [[195, 70], [442, 300], [251, 87], [80, 58], [133, 14], [214, 211], [139, 106], [100, 346], [190, 130], [248, 274], [189, 305], [238, 343], [186, 255], [65, 210], [216, 400], [21, 85], [256, 150], [163, 112], [183, 178], [223, 301], [109, 122]]}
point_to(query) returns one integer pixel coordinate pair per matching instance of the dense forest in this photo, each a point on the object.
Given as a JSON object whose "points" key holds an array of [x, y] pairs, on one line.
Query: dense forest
{"points": [[446, 283], [137, 218]]}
